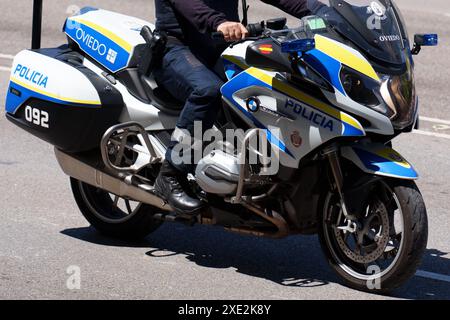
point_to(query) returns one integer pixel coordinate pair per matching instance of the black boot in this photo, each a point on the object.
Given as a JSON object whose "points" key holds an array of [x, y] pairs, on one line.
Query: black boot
{"points": [[169, 185]]}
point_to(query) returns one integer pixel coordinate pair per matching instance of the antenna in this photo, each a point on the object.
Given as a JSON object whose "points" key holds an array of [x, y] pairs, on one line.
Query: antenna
{"points": [[37, 25], [245, 12]]}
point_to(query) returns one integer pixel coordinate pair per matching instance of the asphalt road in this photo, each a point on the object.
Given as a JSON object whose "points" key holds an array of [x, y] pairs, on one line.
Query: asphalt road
{"points": [[42, 232]]}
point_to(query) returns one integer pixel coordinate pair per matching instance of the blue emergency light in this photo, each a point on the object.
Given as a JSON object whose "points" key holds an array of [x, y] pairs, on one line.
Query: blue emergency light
{"points": [[426, 40], [298, 45]]}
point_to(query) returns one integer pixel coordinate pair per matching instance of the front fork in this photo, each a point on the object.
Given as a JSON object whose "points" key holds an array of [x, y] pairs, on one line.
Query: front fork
{"points": [[332, 154]]}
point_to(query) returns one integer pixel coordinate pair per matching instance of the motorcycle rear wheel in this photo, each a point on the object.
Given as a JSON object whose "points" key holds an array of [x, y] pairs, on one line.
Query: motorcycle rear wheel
{"points": [[383, 264], [114, 216]]}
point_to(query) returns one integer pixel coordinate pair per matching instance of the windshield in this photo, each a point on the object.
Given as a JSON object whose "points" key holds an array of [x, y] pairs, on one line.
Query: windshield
{"points": [[373, 25]]}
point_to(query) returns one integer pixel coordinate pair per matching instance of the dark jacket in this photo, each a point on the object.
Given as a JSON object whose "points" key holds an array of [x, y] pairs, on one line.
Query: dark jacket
{"points": [[192, 21]]}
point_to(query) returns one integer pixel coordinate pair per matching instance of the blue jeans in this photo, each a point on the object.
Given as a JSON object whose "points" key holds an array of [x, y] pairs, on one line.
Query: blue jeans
{"points": [[188, 79]]}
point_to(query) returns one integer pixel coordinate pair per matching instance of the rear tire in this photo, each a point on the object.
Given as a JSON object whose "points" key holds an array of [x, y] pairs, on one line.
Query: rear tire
{"points": [[411, 248], [102, 212]]}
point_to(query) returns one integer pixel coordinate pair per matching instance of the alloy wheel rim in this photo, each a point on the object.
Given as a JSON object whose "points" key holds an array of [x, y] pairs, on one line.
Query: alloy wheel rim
{"points": [[117, 205], [338, 256]]}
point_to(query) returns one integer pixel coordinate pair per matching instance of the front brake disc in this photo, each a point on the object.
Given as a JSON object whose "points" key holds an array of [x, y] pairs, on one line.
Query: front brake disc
{"points": [[373, 247]]}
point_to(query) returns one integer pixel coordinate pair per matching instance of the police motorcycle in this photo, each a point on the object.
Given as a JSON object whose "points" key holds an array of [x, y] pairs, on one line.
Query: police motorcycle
{"points": [[327, 97]]}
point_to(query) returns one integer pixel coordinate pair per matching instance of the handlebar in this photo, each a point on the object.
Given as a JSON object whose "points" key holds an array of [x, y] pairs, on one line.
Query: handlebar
{"points": [[254, 30], [217, 36]]}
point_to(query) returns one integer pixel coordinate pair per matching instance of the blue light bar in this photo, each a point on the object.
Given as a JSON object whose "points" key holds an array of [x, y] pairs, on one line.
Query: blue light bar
{"points": [[426, 40], [298, 45], [430, 40]]}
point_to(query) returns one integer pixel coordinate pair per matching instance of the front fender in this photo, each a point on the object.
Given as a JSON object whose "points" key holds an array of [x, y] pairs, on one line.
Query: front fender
{"points": [[380, 160]]}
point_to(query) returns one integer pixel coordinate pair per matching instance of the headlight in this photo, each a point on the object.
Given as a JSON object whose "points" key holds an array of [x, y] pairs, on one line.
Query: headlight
{"points": [[402, 94], [364, 90]]}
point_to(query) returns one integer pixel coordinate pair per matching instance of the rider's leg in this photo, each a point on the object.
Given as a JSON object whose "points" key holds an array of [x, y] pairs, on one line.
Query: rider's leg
{"points": [[188, 79]]}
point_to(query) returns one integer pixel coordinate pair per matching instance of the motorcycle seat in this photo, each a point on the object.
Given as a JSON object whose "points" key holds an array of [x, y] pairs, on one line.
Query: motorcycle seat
{"points": [[160, 97]]}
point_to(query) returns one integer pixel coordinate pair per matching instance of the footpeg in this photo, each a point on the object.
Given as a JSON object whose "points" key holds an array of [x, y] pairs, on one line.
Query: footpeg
{"points": [[173, 217]]}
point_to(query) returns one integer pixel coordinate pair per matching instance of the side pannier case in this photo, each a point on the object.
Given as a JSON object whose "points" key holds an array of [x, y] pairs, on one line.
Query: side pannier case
{"points": [[54, 97]]}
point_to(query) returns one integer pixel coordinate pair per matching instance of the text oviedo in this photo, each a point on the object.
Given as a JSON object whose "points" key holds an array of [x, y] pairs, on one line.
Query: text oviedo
{"points": [[90, 41]]}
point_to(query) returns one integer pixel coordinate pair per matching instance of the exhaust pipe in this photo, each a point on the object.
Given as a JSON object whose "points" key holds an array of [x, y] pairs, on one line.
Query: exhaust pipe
{"points": [[86, 173]]}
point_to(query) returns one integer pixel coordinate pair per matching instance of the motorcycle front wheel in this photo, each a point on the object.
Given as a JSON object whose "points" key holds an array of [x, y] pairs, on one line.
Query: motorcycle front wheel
{"points": [[112, 215], [383, 248]]}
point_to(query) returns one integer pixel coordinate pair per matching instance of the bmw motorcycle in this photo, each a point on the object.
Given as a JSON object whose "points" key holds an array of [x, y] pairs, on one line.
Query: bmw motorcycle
{"points": [[328, 97]]}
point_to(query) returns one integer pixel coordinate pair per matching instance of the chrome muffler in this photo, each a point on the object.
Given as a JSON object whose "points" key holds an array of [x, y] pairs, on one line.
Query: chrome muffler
{"points": [[126, 188]]}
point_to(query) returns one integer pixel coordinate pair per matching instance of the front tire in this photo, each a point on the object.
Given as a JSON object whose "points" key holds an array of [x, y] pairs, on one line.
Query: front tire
{"points": [[382, 264], [114, 216]]}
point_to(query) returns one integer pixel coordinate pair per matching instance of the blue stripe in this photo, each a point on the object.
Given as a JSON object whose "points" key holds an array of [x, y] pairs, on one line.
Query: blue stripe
{"points": [[74, 30], [231, 69], [244, 80], [328, 67], [14, 102], [382, 165], [351, 131]]}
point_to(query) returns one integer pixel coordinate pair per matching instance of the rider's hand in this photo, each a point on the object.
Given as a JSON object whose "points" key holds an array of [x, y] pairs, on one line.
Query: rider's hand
{"points": [[233, 31]]}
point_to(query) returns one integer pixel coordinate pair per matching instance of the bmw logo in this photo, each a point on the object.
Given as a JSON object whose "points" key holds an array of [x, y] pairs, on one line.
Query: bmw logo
{"points": [[253, 104]]}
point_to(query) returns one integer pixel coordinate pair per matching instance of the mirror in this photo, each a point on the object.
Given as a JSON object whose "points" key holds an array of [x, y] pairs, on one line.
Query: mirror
{"points": [[424, 40]]}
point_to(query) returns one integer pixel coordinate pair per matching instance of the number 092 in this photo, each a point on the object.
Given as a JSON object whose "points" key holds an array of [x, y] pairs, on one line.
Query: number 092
{"points": [[37, 117]]}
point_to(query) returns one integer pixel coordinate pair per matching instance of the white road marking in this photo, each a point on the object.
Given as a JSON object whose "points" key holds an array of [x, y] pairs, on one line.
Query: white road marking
{"points": [[6, 56], [6, 69], [441, 127], [279, 297], [432, 275], [435, 120], [432, 134]]}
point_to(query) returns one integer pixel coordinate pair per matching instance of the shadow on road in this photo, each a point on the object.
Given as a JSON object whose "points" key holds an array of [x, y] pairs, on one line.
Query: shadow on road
{"points": [[423, 288], [294, 261], [89, 234]]}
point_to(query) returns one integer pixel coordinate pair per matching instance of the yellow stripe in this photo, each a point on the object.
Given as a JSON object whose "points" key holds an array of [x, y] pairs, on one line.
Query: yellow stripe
{"points": [[236, 61], [54, 96], [391, 155], [344, 56], [303, 97], [108, 34]]}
